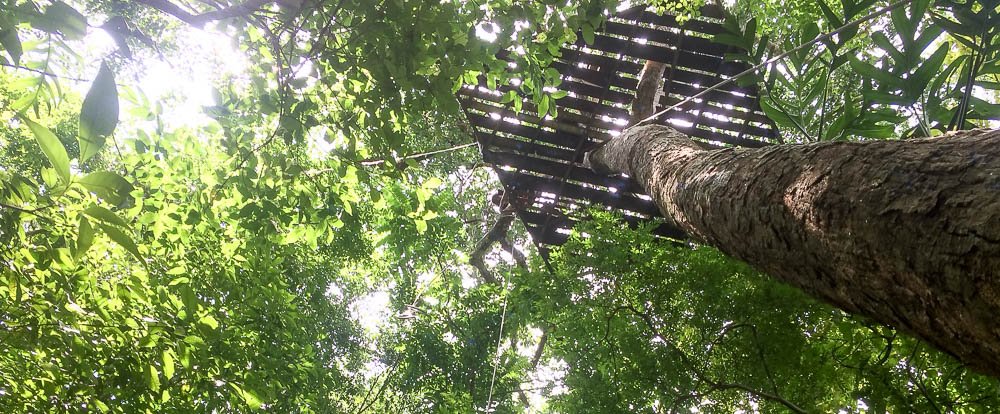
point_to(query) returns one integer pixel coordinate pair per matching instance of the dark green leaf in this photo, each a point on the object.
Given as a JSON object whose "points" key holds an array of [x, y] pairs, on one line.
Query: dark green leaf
{"points": [[588, 34], [925, 73], [52, 148], [10, 42], [84, 238], [775, 113], [835, 20], [883, 42], [107, 185], [99, 115], [104, 215], [123, 240], [59, 17], [883, 76], [731, 40], [886, 98]]}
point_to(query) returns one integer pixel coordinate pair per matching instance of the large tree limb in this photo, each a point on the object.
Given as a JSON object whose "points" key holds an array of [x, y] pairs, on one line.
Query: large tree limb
{"points": [[648, 91], [904, 232], [198, 20], [496, 234]]}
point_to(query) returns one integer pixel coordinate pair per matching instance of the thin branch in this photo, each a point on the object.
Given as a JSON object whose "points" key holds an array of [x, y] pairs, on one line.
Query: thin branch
{"points": [[417, 157], [42, 72]]}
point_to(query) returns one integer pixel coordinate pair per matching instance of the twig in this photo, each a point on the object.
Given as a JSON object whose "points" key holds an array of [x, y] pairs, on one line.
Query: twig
{"points": [[417, 157], [42, 72]]}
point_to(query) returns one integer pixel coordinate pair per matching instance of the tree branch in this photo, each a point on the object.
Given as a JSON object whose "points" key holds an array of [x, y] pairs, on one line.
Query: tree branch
{"points": [[494, 235], [198, 20], [647, 93]]}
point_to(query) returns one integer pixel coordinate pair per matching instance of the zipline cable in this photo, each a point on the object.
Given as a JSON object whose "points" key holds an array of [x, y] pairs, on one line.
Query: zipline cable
{"points": [[503, 318]]}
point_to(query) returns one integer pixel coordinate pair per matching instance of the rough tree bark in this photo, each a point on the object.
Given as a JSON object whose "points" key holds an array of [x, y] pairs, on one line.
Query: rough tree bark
{"points": [[904, 232]]}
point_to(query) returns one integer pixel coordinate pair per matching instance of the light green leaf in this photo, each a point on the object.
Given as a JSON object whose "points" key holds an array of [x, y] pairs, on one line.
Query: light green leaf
{"points": [[543, 106], [104, 215], [194, 340], [248, 396], [154, 378], [84, 238], [433, 183], [107, 185], [209, 321], [52, 148], [123, 239], [99, 115], [421, 225], [168, 364]]}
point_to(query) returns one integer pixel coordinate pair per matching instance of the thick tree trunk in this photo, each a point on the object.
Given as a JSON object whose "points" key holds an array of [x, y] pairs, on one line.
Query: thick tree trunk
{"points": [[904, 232]]}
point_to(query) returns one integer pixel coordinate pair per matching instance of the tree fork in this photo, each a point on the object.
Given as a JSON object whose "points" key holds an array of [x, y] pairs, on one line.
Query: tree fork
{"points": [[905, 232]]}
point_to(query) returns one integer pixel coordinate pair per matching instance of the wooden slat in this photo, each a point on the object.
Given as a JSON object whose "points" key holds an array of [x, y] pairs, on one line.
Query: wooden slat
{"points": [[556, 138], [698, 62], [687, 42], [579, 192], [538, 219], [558, 170], [640, 14], [525, 147]]}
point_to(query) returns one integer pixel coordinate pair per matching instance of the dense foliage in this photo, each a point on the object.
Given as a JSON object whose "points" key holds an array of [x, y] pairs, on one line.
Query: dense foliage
{"points": [[294, 250]]}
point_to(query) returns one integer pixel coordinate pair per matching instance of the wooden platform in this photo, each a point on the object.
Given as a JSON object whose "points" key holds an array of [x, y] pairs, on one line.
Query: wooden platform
{"points": [[541, 159]]}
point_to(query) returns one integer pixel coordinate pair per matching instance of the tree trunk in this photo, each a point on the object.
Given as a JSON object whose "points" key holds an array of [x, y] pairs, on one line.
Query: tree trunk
{"points": [[904, 232]]}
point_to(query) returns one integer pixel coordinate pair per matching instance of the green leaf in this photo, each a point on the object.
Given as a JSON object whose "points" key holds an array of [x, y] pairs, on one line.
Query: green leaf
{"points": [[248, 396], [421, 225], [99, 115], [209, 321], [61, 18], [10, 43], [193, 340], [925, 73], [543, 106], [588, 34], [432, 183], [107, 185], [84, 238], [123, 239], [730, 40], [883, 42], [105, 215], [153, 376], [870, 71], [830, 15], [168, 364], [777, 115], [886, 98], [901, 22], [52, 148]]}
